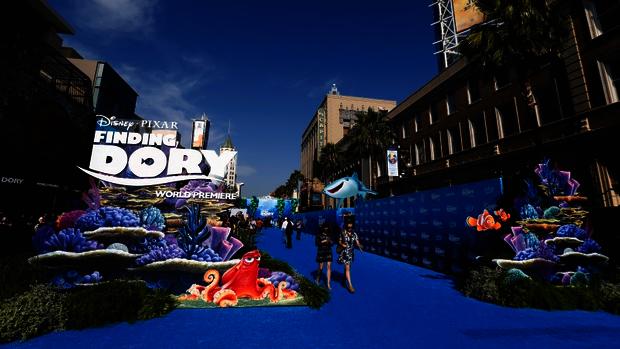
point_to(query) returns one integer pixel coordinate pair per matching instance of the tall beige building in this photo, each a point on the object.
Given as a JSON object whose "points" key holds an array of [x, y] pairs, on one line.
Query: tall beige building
{"points": [[332, 120]]}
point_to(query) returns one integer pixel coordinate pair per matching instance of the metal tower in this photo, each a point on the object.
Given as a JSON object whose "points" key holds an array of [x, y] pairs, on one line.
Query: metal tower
{"points": [[448, 37]]}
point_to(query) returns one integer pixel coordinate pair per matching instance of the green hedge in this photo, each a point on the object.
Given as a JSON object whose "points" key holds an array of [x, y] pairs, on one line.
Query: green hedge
{"points": [[494, 286], [44, 308]]}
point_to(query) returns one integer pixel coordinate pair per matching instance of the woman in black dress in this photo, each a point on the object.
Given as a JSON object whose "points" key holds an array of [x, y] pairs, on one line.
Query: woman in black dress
{"points": [[346, 243], [323, 243]]}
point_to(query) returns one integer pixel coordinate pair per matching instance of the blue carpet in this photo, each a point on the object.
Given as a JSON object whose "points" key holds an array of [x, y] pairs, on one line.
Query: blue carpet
{"points": [[396, 305]]}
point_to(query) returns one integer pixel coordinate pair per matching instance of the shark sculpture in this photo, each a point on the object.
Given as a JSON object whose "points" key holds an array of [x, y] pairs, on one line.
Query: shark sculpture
{"points": [[346, 187]]}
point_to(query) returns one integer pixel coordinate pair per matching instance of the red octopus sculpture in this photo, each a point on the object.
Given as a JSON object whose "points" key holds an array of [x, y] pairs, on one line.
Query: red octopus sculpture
{"points": [[240, 281]]}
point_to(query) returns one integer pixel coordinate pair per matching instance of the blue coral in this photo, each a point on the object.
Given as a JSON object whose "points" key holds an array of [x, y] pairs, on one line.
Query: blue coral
{"points": [[543, 251], [42, 233], [159, 250], [194, 233], [108, 216], [90, 221], [72, 278], [528, 212], [278, 276], [151, 218], [571, 230], [205, 255], [70, 240], [589, 246], [118, 217]]}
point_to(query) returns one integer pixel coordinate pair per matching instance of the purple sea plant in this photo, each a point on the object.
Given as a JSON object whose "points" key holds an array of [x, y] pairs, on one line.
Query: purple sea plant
{"points": [[68, 219], [92, 198], [70, 240], [557, 182]]}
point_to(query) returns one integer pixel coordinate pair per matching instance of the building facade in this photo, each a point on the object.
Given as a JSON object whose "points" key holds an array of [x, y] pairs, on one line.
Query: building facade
{"points": [[112, 95], [231, 168], [466, 124], [332, 120]]}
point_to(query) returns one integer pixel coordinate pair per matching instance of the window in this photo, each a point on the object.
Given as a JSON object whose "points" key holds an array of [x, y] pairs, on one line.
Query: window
{"points": [[416, 122], [417, 154], [547, 107], [454, 139], [403, 131], [450, 145], [506, 118], [473, 91], [602, 15], [421, 152], [450, 106], [594, 23], [501, 79], [432, 114], [610, 77], [477, 130], [431, 147]]}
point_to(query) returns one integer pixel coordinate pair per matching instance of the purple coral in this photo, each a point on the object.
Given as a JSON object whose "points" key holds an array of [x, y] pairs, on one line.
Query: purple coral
{"points": [[278, 276], [69, 240], [220, 242], [557, 182], [198, 186], [520, 240], [68, 219]]}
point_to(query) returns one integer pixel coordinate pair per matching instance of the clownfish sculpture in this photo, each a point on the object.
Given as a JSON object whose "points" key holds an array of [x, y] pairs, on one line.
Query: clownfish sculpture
{"points": [[485, 221], [503, 215]]}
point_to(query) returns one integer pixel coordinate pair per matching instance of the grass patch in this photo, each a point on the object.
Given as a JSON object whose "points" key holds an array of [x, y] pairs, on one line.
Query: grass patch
{"points": [[493, 286], [44, 309]]}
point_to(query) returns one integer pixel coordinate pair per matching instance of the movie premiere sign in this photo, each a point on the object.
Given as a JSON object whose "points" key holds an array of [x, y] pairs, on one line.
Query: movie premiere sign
{"points": [[145, 152], [392, 163]]}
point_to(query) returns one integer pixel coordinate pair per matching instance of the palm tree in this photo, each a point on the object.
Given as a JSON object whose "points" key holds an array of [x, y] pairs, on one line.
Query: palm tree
{"points": [[371, 137], [517, 34], [330, 161]]}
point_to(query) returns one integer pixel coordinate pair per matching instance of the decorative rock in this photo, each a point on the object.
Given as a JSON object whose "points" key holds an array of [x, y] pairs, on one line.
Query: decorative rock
{"points": [[123, 232], [118, 246]]}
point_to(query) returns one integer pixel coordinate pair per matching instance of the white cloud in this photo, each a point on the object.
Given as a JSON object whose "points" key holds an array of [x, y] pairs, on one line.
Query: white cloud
{"points": [[117, 15], [165, 96], [245, 170]]}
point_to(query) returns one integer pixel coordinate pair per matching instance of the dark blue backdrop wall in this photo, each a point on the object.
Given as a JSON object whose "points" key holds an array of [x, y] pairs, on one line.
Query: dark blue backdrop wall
{"points": [[425, 228]]}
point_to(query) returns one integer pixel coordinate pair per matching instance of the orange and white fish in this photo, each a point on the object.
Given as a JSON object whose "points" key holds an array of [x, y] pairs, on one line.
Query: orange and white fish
{"points": [[503, 215], [485, 221]]}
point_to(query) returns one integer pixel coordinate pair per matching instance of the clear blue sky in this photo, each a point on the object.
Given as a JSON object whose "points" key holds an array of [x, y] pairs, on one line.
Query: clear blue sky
{"points": [[262, 65]]}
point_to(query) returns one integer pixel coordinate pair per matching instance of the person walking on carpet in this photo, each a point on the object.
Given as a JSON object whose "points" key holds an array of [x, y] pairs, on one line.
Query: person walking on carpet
{"points": [[288, 231], [323, 243], [346, 243]]}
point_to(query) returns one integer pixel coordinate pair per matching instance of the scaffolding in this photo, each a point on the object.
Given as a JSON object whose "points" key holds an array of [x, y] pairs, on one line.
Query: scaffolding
{"points": [[448, 36]]}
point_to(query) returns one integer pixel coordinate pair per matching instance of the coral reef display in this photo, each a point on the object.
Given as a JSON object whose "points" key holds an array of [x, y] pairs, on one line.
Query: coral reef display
{"points": [[240, 281], [72, 278], [551, 243], [151, 218], [69, 240]]}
